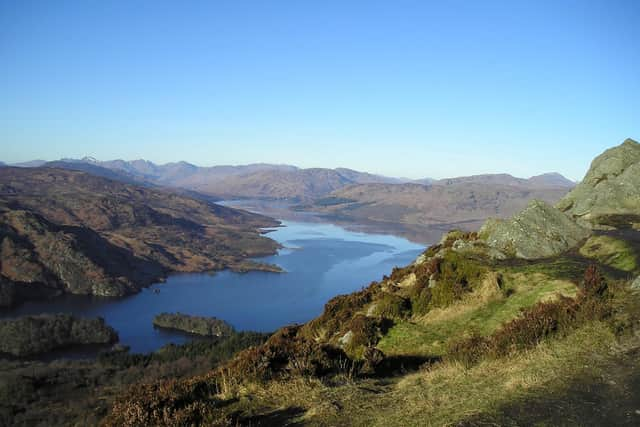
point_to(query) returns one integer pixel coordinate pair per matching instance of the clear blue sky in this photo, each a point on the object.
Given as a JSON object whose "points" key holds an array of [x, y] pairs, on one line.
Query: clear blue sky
{"points": [[404, 88]]}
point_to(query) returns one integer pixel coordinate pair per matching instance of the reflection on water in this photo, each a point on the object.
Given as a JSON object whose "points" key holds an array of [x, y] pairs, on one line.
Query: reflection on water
{"points": [[327, 260]]}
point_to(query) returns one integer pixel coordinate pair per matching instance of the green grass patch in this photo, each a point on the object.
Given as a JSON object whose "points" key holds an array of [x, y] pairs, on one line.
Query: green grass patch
{"points": [[428, 336], [610, 251]]}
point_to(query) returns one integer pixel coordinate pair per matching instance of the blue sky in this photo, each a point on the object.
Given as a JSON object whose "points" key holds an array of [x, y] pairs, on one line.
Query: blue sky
{"points": [[403, 88]]}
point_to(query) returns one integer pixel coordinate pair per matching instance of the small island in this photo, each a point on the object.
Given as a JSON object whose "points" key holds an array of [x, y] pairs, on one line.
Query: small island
{"points": [[197, 325], [32, 335]]}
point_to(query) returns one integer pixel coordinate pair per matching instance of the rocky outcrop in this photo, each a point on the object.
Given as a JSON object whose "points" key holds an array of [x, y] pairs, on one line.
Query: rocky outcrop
{"points": [[538, 231], [205, 326], [611, 187], [47, 259], [30, 335]]}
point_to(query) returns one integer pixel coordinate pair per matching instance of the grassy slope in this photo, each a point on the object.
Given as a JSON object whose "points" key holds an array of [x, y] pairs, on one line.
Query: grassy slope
{"points": [[482, 312]]}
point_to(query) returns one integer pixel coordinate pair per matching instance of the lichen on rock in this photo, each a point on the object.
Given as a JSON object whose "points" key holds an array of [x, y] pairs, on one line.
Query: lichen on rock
{"points": [[539, 231], [610, 187]]}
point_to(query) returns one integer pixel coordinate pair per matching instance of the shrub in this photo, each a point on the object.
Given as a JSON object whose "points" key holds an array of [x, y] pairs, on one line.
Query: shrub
{"points": [[365, 333], [534, 325], [420, 298], [455, 275], [338, 311], [391, 306], [469, 350], [286, 353]]}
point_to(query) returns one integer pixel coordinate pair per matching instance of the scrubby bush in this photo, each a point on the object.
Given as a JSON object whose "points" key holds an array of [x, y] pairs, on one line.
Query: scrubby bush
{"points": [[451, 237], [455, 275], [391, 306], [468, 350], [420, 298], [286, 353], [338, 311], [365, 332]]}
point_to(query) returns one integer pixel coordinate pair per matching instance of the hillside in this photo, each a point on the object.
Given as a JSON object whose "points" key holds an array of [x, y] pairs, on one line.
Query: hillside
{"points": [[475, 332], [464, 202], [69, 231]]}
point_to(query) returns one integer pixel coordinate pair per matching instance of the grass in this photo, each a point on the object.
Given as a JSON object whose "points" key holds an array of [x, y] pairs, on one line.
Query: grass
{"points": [[448, 392], [610, 251], [483, 312], [444, 394]]}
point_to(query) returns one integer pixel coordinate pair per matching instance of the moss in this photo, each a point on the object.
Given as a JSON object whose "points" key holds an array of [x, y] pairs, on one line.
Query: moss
{"points": [[610, 251]]}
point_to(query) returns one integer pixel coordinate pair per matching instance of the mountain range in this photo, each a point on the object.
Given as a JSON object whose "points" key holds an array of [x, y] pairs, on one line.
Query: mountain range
{"points": [[419, 209], [267, 181]]}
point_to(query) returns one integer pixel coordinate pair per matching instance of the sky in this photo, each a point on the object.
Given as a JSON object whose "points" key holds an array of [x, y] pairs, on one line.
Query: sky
{"points": [[401, 88]]}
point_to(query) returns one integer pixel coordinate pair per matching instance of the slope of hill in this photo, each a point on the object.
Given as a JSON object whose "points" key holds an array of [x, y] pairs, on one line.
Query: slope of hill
{"points": [[459, 337], [464, 202], [69, 231]]}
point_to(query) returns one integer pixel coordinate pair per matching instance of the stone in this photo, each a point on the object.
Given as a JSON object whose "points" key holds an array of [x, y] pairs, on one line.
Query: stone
{"points": [[610, 187], [538, 231]]}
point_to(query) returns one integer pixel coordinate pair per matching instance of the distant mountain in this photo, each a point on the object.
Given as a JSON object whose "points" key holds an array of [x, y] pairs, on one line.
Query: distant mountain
{"points": [[260, 180], [464, 202], [29, 164], [552, 179], [96, 170], [548, 180], [269, 181]]}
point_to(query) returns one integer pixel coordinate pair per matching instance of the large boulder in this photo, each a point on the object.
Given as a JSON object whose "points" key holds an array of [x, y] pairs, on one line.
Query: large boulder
{"points": [[538, 231], [611, 187]]}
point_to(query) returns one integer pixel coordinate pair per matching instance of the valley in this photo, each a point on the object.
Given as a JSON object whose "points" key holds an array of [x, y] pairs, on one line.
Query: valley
{"points": [[319, 214], [469, 331]]}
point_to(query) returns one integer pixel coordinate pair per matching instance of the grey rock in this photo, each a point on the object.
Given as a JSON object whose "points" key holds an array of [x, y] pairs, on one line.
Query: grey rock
{"points": [[610, 187], [539, 231]]}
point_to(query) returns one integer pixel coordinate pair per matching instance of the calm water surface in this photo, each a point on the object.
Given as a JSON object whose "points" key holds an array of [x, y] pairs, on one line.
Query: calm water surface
{"points": [[320, 260]]}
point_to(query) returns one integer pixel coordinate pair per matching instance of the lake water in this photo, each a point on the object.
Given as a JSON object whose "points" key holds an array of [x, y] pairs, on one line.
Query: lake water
{"points": [[320, 262]]}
